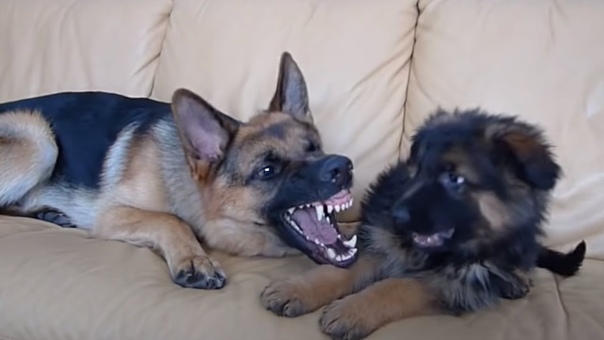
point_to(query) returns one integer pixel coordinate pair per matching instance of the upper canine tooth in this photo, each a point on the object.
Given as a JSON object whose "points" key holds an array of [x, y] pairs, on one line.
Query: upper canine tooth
{"points": [[329, 209], [352, 242], [319, 210]]}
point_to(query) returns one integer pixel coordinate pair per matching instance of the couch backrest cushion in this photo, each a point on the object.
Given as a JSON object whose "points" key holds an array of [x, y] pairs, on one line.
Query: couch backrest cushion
{"points": [[354, 55], [68, 45], [542, 61]]}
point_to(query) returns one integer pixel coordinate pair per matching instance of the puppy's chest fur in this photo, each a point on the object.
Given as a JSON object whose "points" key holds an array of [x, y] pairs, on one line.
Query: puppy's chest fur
{"points": [[461, 282]]}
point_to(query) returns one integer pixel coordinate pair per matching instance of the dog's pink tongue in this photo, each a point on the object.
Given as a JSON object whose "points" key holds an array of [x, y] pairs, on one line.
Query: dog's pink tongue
{"points": [[313, 228]]}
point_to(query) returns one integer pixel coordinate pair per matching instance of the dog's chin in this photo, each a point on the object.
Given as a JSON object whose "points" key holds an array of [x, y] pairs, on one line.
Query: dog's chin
{"points": [[312, 228], [432, 243]]}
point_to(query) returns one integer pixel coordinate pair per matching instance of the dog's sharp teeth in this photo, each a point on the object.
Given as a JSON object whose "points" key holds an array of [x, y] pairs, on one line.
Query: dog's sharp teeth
{"points": [[331, 253], [328, 219], [329, 209], [319, 210], [352, 251], [337, 208], [352, 242], [291, 210], [339, 258]]}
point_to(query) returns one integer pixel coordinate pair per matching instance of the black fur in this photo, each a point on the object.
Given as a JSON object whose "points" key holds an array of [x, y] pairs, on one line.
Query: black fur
{"points": [[86, 124]]}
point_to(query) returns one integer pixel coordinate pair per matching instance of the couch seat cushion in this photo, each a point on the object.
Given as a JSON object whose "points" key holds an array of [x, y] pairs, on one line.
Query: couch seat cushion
{"points": [[61, 284]]}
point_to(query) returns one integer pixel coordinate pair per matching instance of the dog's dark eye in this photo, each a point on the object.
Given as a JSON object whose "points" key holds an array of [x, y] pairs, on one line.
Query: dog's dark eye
{"points": [[312, 147], [267, 172]]}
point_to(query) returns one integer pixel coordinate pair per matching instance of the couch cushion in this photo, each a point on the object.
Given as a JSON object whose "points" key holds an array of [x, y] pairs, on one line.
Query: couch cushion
{"points": [[72, 45], [541, 60], [60, 284], [354, 55]]}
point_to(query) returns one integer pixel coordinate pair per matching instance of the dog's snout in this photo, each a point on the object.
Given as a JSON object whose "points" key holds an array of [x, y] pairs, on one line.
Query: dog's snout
{"points": [[401, 215], [336, 169]]}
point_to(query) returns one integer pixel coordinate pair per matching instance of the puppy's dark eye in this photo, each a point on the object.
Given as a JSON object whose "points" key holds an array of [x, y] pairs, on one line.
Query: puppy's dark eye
{"points": [[451, 180], [267, 172]]}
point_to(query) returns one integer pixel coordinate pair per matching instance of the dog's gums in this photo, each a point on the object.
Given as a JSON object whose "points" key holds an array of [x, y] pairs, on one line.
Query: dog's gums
{"points": [[315, 224]]}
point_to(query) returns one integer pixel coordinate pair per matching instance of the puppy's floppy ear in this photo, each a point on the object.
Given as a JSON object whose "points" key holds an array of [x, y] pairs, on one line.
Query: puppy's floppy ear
{"points": [[205, 132], [291, 95], [529, 150]]}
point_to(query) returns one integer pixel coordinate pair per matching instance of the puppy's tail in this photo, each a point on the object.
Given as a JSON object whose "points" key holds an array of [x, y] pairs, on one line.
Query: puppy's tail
{"points": [[565, 264]]}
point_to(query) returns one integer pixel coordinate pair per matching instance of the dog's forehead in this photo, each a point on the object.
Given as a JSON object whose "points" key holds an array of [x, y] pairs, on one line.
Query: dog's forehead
{"points": [[276, 133]]}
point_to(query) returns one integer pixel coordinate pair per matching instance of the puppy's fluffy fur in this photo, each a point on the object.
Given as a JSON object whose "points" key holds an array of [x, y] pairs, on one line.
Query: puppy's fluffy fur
{"points": [[452, 229]]}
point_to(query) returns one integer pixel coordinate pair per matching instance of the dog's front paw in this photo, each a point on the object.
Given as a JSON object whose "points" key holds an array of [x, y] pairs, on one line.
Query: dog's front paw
{"points": [[200, 272], [286, 298], [343, 320]]}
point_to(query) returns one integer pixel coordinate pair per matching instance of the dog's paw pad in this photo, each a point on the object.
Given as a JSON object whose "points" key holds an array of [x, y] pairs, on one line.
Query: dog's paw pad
{"points": [[281, 298], [200, 272]]}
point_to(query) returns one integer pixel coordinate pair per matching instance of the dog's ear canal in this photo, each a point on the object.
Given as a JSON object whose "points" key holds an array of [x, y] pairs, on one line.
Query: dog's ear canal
{"points": [[204, 131], [531, 154], [291, 95]]}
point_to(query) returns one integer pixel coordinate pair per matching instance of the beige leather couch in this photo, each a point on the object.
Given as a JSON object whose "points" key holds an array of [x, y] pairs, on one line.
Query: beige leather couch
{"points": [[374, 69]]}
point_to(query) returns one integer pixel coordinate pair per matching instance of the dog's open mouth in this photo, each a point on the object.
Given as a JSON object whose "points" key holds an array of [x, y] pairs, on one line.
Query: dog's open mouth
{"points": [[315, 224], [433, 240]]}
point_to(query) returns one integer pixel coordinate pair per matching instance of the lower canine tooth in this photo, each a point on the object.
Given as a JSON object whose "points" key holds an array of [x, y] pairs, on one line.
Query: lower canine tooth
{"points": [[331, 253], [352, 242]]}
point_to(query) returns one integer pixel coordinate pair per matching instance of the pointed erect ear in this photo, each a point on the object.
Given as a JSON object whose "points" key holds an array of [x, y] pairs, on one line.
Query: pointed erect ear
{"points": [[291, 96], [205, 132], [529, 151]]}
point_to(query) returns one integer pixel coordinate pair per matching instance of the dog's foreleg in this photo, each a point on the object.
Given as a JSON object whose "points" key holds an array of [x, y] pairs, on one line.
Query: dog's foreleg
{"points": [[188, 263], [306, 293], [358, 315], [28, 154]]}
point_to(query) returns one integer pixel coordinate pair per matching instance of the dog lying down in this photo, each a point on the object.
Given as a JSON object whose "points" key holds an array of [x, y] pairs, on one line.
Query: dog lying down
{"points": [[452, 229]]}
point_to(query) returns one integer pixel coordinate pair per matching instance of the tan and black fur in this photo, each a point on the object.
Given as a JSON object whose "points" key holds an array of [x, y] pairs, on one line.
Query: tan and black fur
{"points": [[163, 175], [452, 229]]}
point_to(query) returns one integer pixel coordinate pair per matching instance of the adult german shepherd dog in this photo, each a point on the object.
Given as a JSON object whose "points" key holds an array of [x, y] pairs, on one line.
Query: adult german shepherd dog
{"points": [[163, 175], [452, 229]]}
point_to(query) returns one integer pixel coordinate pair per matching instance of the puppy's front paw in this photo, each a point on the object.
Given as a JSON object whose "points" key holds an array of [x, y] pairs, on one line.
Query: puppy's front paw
{"points": [[343, 320], [200, 272], [515, 288], [286, 298]]}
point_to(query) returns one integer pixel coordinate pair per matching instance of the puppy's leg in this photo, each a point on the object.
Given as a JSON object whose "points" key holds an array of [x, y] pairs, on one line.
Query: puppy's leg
{"points": [[188, 263], [356, 316], [306, 293], [28, 153]]}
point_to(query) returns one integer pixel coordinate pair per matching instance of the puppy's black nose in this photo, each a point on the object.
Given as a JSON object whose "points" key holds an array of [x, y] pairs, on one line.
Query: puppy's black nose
{"points": [[336, 169], [401, 215]]}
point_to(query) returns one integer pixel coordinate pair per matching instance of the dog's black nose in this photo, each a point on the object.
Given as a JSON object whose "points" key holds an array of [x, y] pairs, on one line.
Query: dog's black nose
{"points": [[336, 169], [401, 215]]}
